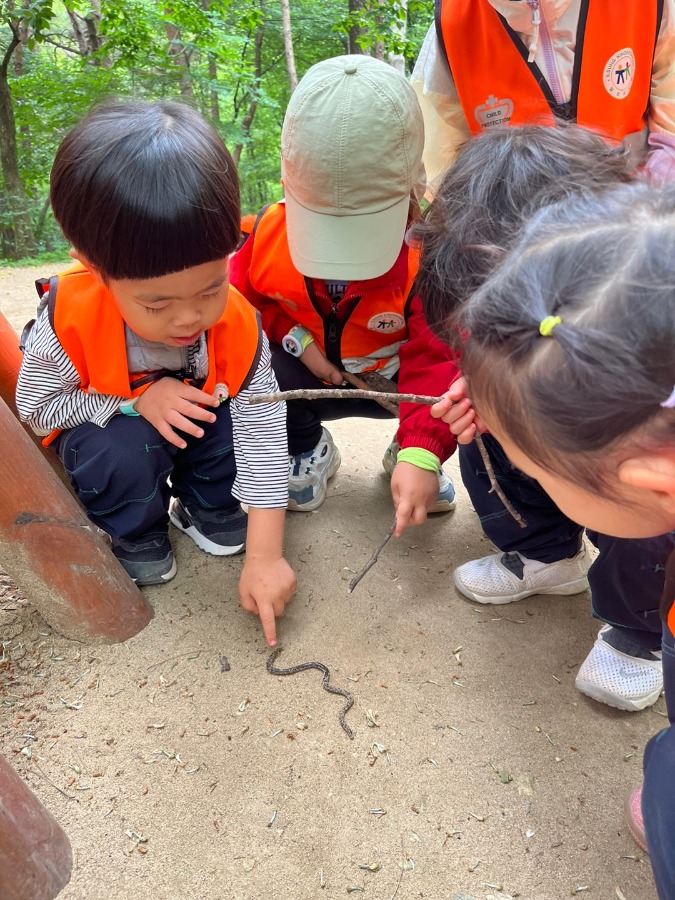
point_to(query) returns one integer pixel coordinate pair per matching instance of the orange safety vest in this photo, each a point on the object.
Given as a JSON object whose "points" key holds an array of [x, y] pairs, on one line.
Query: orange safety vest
{"points": [[611, 80], [88, 324], [368, 323]]}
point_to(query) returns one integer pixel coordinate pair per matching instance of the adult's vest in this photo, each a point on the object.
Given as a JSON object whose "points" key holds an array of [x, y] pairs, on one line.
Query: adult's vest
{"points": [[363, 332], [91, 330], [496, 85]]}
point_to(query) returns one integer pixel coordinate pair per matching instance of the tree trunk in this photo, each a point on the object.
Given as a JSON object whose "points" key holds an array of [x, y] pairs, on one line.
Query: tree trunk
{"points": [[214, 99], [178, 57], [288, 43], [20, 239], [253, 104], [397, 60], [355, 31]]}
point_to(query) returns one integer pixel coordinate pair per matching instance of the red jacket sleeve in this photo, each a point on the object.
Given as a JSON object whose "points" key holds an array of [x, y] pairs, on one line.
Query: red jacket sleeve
{"points": [[275, 320], [428, 366]]}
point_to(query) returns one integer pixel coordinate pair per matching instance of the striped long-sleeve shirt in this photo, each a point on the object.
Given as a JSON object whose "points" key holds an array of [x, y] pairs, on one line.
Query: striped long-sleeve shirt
{"points": [[49, 396]]}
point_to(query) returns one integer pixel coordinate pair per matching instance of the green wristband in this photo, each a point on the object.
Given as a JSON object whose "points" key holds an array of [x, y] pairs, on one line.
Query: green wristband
{"points": [[417, 456], [128, 407]]}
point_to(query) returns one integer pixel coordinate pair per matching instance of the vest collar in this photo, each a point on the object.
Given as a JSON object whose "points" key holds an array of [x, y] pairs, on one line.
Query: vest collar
{"points": [[396, 277], [519, 14]]}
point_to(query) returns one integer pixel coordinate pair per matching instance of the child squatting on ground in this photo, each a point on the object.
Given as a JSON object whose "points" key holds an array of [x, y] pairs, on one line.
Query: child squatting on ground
{"points": [[609, 67], [332, 273], [142, 360], [569, 354], [497, 181]]}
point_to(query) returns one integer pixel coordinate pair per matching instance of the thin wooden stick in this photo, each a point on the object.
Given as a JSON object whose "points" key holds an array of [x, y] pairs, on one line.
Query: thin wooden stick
{"points": [[344, 394], [373, 559], [385, 403], [495, 484]]}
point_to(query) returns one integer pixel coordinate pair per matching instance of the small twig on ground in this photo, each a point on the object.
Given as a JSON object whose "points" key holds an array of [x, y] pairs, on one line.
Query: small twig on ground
{"points": [[373, 559], [400, 877], [494, 483], [46, 778], [168, 659], [344, 394]]}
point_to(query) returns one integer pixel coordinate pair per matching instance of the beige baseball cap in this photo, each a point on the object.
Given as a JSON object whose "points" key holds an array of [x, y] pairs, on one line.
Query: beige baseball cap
{"points": [[351, 155]]}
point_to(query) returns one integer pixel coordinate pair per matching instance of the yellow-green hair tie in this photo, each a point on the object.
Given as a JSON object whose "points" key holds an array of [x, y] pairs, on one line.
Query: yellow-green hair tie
{"points": [[547, 325]]}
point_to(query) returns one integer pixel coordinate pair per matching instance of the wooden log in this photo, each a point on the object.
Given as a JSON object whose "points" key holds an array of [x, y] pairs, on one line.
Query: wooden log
{"points": [[49, 547], [10, 361], [35, 854]]}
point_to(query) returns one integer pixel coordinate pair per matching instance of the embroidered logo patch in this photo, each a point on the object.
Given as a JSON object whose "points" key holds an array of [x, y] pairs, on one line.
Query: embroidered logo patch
{"points": [[619, 73], [494, 112], [386, 322]]}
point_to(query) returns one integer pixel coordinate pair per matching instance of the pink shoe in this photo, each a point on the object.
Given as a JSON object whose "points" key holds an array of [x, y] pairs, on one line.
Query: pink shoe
{"points": [[634, 820]]}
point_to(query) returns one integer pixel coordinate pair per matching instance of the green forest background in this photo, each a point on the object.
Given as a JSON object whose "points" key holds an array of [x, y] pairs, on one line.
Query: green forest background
{"points": [[236, 60]]}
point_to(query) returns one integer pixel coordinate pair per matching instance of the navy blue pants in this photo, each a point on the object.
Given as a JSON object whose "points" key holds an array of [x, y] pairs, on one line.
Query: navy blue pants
{"points": [[626, 579], [304, 417], [120, 472], [658, 791]]}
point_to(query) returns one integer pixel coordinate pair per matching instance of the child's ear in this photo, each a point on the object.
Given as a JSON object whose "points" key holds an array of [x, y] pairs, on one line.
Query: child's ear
{"points": [[655, 472], [74, 253]]}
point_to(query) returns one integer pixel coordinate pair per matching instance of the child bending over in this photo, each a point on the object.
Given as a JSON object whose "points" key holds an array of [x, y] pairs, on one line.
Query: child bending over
{"points": [[569, 354], [333, 275], [142, 360], [499, 180]]}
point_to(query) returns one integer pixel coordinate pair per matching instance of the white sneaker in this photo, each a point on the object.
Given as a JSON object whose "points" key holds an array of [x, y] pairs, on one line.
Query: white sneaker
{"points": [[445, 501], [618, 679], [505, 577], [309, 473]]}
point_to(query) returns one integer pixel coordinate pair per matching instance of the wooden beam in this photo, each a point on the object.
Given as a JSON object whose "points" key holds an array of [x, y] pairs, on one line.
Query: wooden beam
{"points": [[55, 554], [35, 855]]}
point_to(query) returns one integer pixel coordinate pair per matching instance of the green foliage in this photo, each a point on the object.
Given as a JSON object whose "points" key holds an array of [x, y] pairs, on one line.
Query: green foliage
{"points": [[388, 24], [203, 50]]}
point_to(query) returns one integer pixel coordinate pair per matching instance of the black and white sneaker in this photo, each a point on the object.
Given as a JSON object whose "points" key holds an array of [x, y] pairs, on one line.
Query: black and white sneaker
{"points": [[147, 559], [217, 531]]}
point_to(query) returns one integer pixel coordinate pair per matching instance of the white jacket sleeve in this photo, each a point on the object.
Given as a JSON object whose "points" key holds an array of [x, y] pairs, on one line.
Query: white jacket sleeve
{"points": [[445, 126], [661, 122]]}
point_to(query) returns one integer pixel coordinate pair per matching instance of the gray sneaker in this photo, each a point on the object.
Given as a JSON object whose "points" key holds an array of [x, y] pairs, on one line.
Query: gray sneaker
{"points": [[221, 532], [147, 559], [445, 501], [309, 473]]}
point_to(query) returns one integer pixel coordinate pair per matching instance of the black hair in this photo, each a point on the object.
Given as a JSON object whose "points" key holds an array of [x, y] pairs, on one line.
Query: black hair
{"points": [[142, 190], [498, 180], [582, 400]]}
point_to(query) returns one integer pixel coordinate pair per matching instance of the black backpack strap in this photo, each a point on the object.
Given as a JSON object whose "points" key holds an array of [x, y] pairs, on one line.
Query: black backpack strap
{"points": [[46, 291]]}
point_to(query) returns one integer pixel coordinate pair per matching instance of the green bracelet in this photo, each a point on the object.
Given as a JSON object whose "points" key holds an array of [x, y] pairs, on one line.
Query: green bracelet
{"points": [[418, 456], [128, 407]]}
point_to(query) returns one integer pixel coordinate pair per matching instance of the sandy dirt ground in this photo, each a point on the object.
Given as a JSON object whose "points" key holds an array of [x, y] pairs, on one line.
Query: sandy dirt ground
{"points": [[182, 770]]}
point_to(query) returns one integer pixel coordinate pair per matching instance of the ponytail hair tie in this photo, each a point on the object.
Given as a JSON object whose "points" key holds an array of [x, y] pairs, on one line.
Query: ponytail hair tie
{"points": [[547, 325], [670, 402]]}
